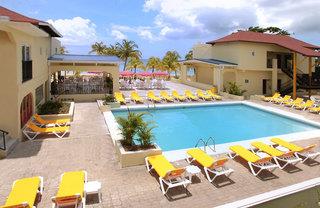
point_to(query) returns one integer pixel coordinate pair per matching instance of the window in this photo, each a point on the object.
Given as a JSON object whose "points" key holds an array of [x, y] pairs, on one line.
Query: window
{"points": [[26, 64], [269, 63], [39, 94], [56, 50]]}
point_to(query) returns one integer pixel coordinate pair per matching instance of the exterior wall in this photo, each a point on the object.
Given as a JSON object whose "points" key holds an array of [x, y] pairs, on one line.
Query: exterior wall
{"points": [[204, 74], [202, 51], [39, 51], [55, 46]]}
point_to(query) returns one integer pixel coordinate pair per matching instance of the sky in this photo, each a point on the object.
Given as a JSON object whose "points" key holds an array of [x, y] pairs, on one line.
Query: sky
{"points": [[161, 25]]}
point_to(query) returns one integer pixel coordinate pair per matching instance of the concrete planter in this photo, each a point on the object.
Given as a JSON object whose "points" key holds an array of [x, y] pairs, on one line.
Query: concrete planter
{"points": [[68, 115], [104, 108], [133, 158], [233, 97]]}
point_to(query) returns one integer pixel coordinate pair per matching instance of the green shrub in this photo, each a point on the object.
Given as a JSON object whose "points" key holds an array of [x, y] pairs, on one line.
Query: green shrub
{"points": [[235, 89], [145, 135], [109, 99], [50, 107]]}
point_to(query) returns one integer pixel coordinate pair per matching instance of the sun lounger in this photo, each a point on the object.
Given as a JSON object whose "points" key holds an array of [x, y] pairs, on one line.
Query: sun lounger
{"points": [[203, 96], [24, 193], [253, 159], [314, 109], [167, 173], [152, 97], [135, 97], [279, 156], [270, 99], [32, 131], [293, 103], [178, 97], [281, 100], [215, 166], [214, 95], [304, 152], [119, 97], [43, 122], [190, 96], [166, 96], [71, 190], [305, 105]]}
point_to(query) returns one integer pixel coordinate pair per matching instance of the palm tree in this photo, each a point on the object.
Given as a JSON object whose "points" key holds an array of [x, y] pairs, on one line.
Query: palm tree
{"points": [[189, 55], [112, 50], [135, 63], [127, 49], [153, 62], [170, 61], [63, 50], [98, 48]]}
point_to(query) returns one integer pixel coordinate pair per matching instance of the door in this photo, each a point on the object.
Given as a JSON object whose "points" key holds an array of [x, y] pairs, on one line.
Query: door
{"points": [[26, 109]]}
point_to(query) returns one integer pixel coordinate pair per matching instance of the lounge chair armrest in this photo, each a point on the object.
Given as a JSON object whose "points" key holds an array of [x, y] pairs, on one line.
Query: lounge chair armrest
{"points": [[22, 205], [264, 160], [308, 148]]}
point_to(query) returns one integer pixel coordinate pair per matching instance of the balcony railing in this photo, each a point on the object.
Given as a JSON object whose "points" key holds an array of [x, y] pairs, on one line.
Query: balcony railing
{"points": [[26, 70], [3, 135]]}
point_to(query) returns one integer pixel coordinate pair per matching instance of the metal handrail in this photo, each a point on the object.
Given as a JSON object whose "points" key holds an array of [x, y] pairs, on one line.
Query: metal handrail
{"points": [[205, 144], [4, 133]]}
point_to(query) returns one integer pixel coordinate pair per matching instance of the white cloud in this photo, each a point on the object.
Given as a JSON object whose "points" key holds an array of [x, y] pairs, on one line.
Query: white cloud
{"points": [[208, 18], [120, 31], [118, 35], [76, 31]]}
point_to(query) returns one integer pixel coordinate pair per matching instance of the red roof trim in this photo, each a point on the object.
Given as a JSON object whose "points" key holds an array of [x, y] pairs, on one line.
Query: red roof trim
{"points": [[16, 17], [280, 40]]}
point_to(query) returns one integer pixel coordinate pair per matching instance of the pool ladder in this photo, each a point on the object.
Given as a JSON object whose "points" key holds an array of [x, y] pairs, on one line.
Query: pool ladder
{"points": [[205, 144]]}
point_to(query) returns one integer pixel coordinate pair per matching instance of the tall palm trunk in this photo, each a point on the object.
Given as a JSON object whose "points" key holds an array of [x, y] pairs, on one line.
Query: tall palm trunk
{"points": [[152, 69], [125, 64]]}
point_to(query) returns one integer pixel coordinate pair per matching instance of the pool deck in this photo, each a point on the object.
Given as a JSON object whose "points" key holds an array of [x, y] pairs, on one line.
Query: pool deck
{"points": [[89, 147]]}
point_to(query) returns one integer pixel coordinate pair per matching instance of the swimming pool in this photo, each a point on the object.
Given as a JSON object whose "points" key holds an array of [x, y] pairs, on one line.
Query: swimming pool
{"points": [[181, 127]]}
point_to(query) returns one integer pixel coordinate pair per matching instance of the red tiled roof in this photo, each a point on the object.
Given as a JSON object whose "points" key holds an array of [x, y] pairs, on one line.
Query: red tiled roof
{"points": [[281, 40], [16, 17]]}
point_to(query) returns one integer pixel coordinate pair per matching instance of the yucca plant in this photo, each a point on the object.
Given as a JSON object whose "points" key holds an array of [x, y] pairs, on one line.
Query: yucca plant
{"points": [[145, 135], [235, 89], [129, 126]]}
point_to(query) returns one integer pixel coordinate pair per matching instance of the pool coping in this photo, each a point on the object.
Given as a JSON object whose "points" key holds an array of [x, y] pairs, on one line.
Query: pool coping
{"points": [[180, 154]]}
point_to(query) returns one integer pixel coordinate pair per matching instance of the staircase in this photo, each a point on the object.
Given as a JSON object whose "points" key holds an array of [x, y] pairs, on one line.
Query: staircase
{"points": [[7, 143], [302, 80]]}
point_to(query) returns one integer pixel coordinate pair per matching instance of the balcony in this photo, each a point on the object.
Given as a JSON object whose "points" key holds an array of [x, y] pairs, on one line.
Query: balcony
{"points": [[26, 70]]}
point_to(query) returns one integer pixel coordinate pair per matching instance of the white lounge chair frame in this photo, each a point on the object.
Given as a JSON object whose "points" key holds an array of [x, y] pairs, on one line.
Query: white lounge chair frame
{"points": [[308, 155], [31, 135], [216, 171], [170, 182], [83, 200], [287, 159], [262, 166]]}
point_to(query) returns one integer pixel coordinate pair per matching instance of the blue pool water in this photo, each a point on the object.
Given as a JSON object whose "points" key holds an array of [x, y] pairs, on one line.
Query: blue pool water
{"points": [[180, 128]]}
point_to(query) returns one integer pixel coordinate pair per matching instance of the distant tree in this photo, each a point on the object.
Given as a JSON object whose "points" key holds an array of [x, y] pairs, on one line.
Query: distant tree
{"points": [[171, 61], [154, 62], [135, 63], [127, 49], [63, 50], [99, 48], [189, 55], [272, 30]]}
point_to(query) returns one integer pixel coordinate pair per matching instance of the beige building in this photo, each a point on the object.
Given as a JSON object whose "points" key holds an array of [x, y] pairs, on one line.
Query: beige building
{"points": [[30, 64], [259, 63]]}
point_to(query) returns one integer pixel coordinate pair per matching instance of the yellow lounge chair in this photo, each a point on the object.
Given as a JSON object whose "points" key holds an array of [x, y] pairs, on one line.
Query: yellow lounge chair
{"points": [[44, 122], [167, 173], [178, 97], [32, 131], [305, 105], [214, 95], [119, 97], [292, 103], [166, 96], [279, 156], [281, 100], [24, 193], [203, 96], [217, 167], [305, 152], [135, 97], [71, 190], [270, 99], [190, 96], [253, 159], [152, 97], [314, 109]]}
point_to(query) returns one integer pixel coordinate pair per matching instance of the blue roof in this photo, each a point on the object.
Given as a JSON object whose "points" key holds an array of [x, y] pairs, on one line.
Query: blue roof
{"points": [[84, 58], [216, 61], [213, 61]]}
